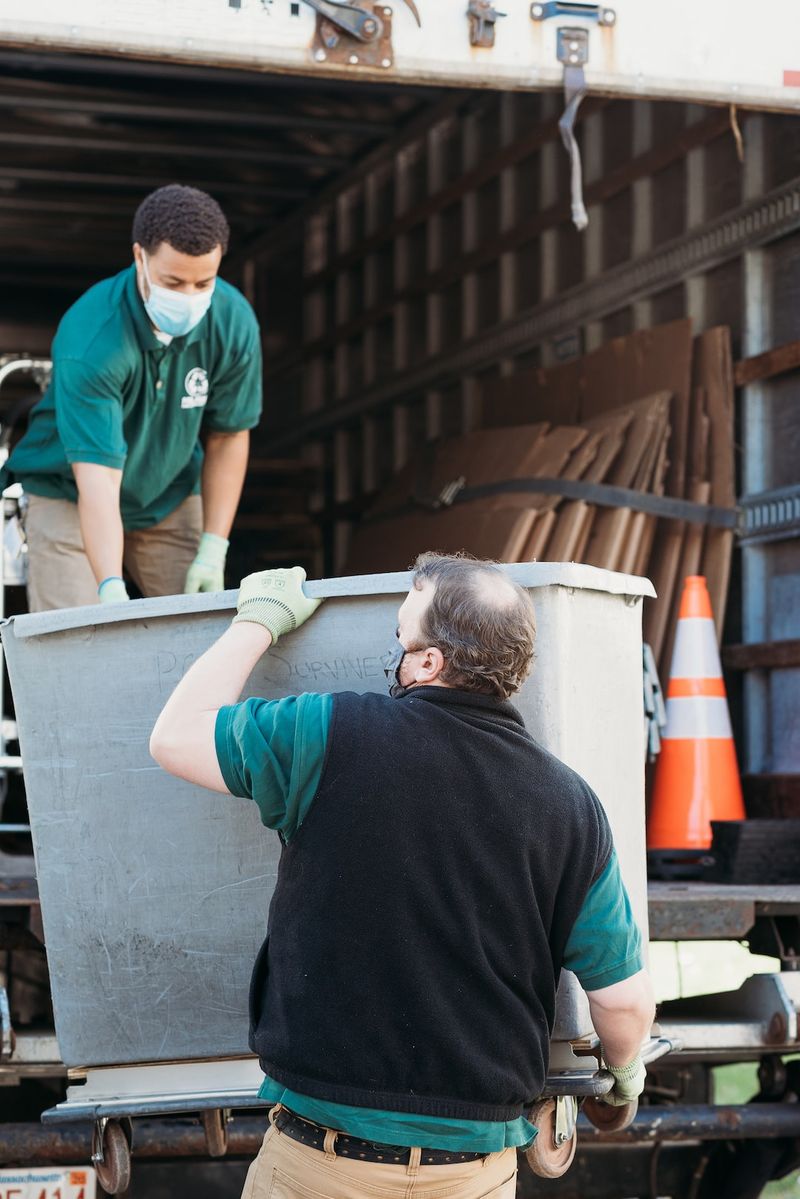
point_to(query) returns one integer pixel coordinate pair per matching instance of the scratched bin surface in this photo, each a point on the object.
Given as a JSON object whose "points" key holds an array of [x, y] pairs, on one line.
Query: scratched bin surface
{"points": [[154, 892]]}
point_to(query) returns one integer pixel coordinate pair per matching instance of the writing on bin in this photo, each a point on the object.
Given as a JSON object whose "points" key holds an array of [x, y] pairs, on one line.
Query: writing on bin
{"points": [[277, 669], [170, 668]]}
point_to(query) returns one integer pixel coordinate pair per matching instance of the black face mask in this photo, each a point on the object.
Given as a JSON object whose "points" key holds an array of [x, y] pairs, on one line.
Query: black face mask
{"points": [[392, 661]]}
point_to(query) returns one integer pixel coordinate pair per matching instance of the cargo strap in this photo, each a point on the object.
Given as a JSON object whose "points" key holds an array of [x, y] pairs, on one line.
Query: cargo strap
{"points": [[574, 91], [604, 495]]}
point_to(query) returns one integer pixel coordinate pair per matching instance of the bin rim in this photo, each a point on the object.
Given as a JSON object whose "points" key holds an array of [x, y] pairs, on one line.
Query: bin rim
{"points": [[572, 575]]}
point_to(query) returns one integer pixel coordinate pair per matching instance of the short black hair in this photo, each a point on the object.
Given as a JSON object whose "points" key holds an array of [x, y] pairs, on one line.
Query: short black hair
{"points": [[191, 221]]}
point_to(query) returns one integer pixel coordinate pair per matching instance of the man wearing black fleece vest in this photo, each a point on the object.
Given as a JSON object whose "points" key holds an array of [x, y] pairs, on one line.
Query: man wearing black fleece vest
{"points": [[439, 868]]}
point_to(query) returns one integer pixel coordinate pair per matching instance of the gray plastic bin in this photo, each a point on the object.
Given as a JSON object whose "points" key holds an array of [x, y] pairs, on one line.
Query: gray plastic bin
{"points": [[154, 892]]}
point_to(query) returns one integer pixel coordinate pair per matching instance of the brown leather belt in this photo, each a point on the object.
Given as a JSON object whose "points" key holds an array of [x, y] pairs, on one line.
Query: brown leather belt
{"points": [[313, 1135]]}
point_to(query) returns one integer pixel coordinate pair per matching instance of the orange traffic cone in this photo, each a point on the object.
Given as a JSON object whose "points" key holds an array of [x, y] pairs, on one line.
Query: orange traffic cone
{"points": [[697, 777]]}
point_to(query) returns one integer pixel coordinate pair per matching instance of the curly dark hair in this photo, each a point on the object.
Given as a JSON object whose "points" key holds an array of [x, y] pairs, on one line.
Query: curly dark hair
{"points": [[483, 623], [191, 221]]}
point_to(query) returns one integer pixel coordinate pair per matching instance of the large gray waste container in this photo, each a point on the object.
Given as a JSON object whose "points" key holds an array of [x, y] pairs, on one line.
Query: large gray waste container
{"points": [[154, 893]]}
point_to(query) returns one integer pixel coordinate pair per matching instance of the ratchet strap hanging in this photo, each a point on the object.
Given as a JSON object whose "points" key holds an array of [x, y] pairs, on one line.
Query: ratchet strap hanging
{"points": [[572, 51], [574, 91]]}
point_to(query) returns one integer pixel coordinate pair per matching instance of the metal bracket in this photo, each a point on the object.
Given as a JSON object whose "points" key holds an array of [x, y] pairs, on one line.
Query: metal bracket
{"points": [[770, 516], [778, 936], [482, 19], [543, 10], [39, 368], [761, 1014], [351, 19], [566, 1119], [334, 43], [572, 47], [446, 497], [98, 1137], [356, 34]]}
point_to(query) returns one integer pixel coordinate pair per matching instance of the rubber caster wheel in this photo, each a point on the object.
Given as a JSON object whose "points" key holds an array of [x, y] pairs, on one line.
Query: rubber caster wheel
{"points": [[609, 1118], [544, 1156], [114, 1171], [215, 1127]]}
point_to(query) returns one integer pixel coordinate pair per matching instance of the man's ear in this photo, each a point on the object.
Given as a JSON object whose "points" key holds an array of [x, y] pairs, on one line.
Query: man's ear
{"points": [[430, 665]]}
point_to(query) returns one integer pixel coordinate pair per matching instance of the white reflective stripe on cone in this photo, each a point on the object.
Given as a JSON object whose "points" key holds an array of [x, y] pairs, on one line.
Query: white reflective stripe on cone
{"points": [[695, 655], [697, 717]]}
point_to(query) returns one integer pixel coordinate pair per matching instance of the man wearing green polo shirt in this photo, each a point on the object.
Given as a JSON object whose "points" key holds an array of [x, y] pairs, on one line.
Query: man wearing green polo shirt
{"points": [[438, 870], [112, 464]]}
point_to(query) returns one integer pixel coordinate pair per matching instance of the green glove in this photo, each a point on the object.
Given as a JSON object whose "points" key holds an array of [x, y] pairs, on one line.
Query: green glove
{"points": [[275, 599], [112, 590], [628, 1083], [207, 572]]}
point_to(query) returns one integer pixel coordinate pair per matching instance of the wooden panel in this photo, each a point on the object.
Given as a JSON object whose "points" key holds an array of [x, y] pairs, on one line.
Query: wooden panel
{"points": [[766, 366], [713, 373], [533, 226], [395, 544], [772, 795], [692, 550], [551, 394], [548, 459], [539, 537], [665, 560], [762, 655], [633, 466], [629, 368], [570, 533]]}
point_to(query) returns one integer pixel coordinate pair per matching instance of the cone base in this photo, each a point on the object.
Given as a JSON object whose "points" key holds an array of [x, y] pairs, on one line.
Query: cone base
{"points": [[678, 864], [697, 781]]}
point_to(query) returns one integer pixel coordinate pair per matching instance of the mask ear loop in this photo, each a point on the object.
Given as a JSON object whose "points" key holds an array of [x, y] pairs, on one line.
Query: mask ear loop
{"points": [[146, 272]]}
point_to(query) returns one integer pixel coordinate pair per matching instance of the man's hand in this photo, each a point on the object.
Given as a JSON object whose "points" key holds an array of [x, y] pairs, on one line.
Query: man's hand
{"points": [[112, 591], [628, 1083], [275, 599], [207, 572]]}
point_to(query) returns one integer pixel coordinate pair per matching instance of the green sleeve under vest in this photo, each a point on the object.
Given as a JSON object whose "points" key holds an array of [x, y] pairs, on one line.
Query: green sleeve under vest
{"points": [[273, 751], [605, 945]]}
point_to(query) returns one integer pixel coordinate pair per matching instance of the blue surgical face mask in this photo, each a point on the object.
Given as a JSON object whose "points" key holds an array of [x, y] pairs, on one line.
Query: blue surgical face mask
{"points": [[171, 311]]}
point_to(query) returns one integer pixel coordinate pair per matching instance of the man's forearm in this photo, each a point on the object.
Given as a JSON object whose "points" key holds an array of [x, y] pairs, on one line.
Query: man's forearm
{"points": [[621, 1035], [623, 1016], [100, 520], [183, 738], [218, 676], [224, 469]]}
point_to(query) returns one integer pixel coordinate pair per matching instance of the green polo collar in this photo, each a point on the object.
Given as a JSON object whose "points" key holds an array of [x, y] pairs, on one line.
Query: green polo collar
{"points": [[141, 322]]}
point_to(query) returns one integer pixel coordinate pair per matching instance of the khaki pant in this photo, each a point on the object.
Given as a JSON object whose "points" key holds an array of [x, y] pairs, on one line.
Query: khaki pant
{"points": [[59, 574], [287, 1169]]}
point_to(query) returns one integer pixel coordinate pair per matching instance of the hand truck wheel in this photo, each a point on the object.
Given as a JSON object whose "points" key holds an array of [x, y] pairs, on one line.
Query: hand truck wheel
{"points": [[607, 1117], [111, 1155], [552, 1152], [215, 1127]]}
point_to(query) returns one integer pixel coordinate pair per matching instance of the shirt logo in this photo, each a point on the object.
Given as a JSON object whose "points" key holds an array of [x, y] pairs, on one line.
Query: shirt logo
{"points": [[196, 386]]}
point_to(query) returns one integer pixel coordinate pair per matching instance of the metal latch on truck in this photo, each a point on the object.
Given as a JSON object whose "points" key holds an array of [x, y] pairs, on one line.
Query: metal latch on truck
{"points": [[483, 17], [359, 34]]}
